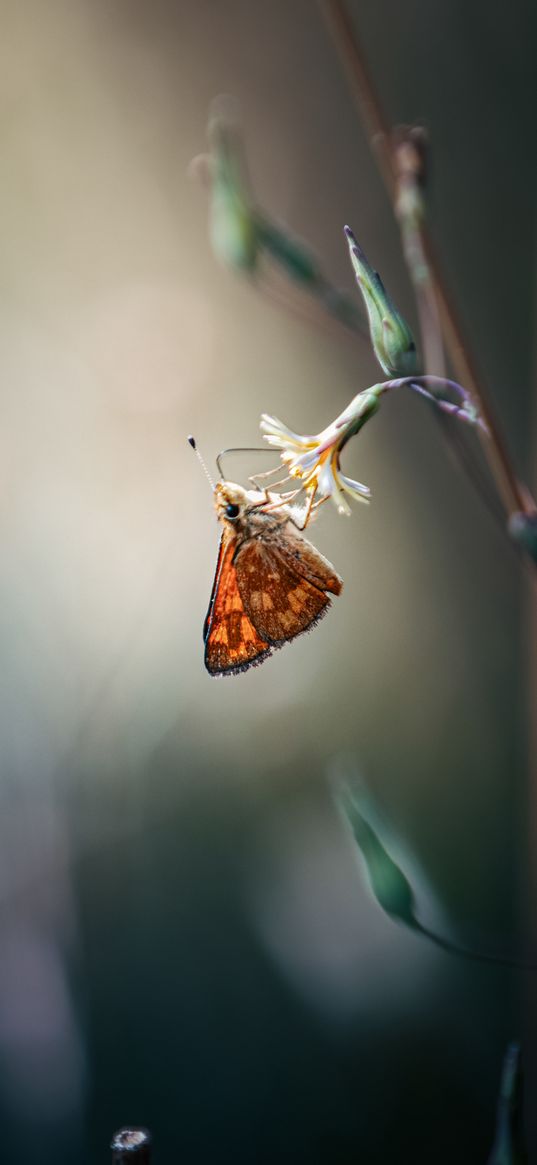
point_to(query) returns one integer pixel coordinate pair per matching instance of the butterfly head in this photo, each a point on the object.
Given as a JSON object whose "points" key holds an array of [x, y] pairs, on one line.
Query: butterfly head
{"points": [[231, 502]]}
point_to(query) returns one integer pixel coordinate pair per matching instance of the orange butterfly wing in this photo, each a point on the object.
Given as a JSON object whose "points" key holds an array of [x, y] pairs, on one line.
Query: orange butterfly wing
{"points": [[280, 600], [304, 559], [232, 643]]}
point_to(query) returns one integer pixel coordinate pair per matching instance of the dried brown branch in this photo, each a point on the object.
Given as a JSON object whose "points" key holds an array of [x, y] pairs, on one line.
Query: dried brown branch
{"points": [[516, 497]]}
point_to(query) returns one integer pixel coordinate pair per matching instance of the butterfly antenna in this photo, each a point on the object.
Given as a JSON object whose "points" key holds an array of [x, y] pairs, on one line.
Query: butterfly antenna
{"points": [[193, 445], [242, 449]]}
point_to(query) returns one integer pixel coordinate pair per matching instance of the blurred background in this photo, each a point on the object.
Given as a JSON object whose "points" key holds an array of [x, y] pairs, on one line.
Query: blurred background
{"points": [[187, 940]]}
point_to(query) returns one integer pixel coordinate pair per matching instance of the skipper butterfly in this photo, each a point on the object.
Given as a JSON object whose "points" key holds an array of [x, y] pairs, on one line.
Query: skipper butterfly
{"points": [[270, 584]]}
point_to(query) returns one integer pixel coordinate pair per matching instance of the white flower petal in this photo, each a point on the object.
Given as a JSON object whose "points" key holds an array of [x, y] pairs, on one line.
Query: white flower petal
{"points": [[275, 440], [326, 482], [355, 488], [277, 433], [306, 461], [341, 503]]}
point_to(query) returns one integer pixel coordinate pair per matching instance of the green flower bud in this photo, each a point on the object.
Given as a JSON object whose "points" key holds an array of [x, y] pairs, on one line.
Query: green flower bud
{"points": [[233, 229], [391, 337]]}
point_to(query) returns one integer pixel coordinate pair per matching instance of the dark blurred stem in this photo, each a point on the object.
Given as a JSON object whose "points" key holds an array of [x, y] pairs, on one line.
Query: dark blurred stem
{"points": [[515, 497], [467, 953], [529, 866], [361, 86]]}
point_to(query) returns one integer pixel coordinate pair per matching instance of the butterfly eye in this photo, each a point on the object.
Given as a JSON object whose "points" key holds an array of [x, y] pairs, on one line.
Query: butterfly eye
{"points": [[232, 511]]}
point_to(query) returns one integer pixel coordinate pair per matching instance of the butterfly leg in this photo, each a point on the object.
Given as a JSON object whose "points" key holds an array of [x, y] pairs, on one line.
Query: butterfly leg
{"points": [[268, 473], [268, 504], [310, 508], [256, 478]]}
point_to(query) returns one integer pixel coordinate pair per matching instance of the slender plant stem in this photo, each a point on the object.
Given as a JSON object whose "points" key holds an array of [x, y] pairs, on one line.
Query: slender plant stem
{"points": [[410, 162], [529, 865], [468, 953], [362, 88], [515, 497]]}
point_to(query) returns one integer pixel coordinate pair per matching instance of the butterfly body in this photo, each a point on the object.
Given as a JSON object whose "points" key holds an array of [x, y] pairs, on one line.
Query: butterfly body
{"points": [[270, 584]]}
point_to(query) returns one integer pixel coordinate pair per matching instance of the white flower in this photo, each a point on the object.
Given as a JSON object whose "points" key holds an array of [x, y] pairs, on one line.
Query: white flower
{"points": [[314, 460]]}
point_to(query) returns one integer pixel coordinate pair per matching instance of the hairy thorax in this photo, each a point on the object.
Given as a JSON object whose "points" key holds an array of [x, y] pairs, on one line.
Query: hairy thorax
{"points": [[242, 511]]}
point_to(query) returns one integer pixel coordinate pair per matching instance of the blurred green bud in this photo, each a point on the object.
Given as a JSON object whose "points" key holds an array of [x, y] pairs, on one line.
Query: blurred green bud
{"points": [[523, 529], [240, 230], [508, 1148], [233, 228], [390, 887], [391, 337]]}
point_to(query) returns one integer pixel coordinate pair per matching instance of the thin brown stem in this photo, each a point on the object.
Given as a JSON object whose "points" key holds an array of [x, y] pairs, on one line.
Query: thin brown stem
{"points": [[515, 496], [360, 83], [409, 153]]}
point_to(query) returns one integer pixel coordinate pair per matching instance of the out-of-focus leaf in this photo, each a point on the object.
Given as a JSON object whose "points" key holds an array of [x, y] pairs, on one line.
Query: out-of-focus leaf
{"points": [[389, 884], [391, 887], [508, 1148]]}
